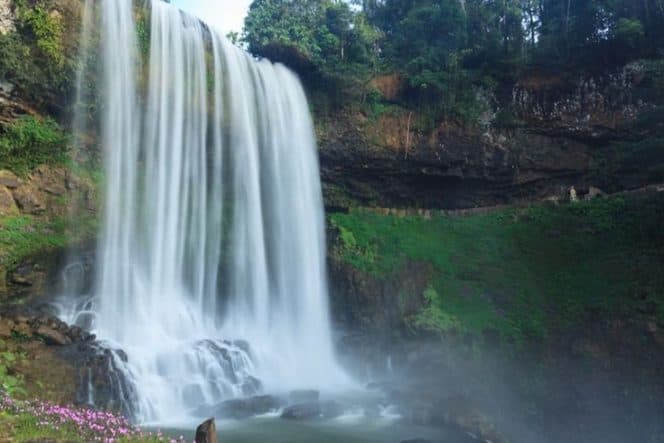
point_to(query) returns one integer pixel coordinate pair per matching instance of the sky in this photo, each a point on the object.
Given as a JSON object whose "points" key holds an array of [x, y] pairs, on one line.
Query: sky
{"points": [[226, 15]]}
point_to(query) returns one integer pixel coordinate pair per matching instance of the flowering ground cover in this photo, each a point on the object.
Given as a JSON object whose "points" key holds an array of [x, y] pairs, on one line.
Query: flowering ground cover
{"points": [[24, 421]]}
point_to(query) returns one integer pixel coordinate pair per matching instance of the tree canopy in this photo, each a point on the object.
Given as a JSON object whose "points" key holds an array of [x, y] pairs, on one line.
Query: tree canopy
{"points": [[442, 47]]}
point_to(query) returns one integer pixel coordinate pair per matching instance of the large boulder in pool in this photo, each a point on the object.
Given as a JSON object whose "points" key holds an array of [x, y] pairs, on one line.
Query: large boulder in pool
{"points": [[239, 408], [302, 411], [332, 409]]}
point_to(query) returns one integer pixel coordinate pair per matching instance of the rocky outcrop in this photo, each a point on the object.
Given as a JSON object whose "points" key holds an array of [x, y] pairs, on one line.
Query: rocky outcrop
{"points": [[373, 304], [38, 340], [35, 210], [6, 17], [101, 377], [590, 108], [449, 168], [65, 363], [46, 188], [206, 432], [551, 134], [302, 411], [41, 327]]}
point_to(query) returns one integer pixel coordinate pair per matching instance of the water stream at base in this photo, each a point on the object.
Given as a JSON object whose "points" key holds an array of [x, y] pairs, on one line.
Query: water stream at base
{"points": [[211, 258]]}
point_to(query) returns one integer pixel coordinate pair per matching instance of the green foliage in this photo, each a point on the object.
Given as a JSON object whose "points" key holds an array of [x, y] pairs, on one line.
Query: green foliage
{"points": [[375, 106], [447, 51], [425, 39], [37, 58], [46, 28], [26, 235], [629, 31], [22, 236], [525, 273], [329, 45], [10, 382], [434, 318], [31, 141], [357, 255]]}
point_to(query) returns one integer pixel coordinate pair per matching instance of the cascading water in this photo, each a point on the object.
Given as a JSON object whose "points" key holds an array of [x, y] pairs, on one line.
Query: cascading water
{"points": [[211, 271]]}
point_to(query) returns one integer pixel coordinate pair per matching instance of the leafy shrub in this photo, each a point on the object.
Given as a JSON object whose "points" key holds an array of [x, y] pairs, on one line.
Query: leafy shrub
{"points": [[433, 318], [39, 58], [31, 141], [629, 31], [10, 383], [46, 28]]}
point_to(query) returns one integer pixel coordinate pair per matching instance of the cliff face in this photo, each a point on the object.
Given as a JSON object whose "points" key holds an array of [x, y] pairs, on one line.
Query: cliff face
{"points": [[40, 216], [48, 189], [561, 301], [551, 133]]}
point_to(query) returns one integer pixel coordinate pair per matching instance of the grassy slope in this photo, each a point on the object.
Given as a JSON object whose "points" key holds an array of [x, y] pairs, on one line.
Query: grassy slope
{"points": [[25, 428], [524, 273]]}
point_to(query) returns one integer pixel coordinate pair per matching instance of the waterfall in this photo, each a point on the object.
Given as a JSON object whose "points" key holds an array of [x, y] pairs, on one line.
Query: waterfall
{"points": [[211, 259]]}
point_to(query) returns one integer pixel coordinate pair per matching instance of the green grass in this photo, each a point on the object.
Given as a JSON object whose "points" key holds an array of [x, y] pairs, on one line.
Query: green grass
{"points": [[524, 273], [24, 428]]}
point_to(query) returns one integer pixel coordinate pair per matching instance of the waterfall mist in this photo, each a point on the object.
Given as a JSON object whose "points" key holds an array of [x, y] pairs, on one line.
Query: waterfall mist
{"points": [[211, 258]]}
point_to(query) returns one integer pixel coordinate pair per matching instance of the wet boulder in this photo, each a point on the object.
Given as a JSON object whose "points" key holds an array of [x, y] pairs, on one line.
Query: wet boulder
{"points": [[332, 409], [240, 408], [302, 411], [52, 336], [51, 330]]}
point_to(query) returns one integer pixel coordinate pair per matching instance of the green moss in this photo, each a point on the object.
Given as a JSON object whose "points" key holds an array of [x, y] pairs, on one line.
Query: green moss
{"points": [[143, 31], [31, 141], [26, 235], [434, 317], [524, 273]]}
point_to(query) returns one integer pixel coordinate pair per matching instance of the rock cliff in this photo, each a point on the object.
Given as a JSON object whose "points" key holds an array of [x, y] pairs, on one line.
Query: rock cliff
{"points": [[550, 132]]}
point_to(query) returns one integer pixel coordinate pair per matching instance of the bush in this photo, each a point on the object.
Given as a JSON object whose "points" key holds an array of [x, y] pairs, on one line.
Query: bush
{"points": [[31, 141], [39, 58], [10, 382]]}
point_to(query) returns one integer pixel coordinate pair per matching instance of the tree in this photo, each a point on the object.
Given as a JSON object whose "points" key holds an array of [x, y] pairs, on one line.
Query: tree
{"points": [[325, 41]]}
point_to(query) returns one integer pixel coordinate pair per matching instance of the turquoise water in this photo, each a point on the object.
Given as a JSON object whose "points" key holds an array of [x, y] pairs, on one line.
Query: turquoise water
{"points": [[347, 429]]}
